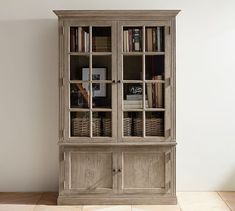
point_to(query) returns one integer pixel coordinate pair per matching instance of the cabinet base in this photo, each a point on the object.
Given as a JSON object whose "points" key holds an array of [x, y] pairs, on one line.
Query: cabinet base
{"points": [[67, 200]]}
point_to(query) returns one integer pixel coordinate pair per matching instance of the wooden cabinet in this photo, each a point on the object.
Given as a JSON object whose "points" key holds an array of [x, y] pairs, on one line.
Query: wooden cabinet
{"points": [[117, 107]]}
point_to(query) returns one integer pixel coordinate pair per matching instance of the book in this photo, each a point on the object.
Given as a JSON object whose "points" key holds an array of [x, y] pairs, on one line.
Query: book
{"points": [[159, 103], [132, 104], [149, 95], [136, 39], [134, 97]]}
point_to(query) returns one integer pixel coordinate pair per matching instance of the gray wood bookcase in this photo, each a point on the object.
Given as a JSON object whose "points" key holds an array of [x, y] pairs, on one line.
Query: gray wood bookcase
{"points": [[117, 107]]}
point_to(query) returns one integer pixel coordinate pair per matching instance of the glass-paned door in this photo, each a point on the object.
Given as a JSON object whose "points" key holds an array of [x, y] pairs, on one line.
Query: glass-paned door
{"points": [[144, 73], [90, 112]]}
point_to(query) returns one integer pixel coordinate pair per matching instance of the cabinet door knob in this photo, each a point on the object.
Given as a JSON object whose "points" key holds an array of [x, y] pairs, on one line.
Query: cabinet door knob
{"points": [[113, 81], [119, 81], [114, 170], [119, 170]]}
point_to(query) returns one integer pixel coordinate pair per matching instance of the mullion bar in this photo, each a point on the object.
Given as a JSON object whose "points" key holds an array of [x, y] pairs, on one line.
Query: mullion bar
{"points": [[143, 87], [90, 77]]}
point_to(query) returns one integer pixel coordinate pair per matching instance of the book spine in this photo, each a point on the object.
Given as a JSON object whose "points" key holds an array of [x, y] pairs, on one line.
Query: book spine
{"points": [[124, 40], [72, 39], [154, 40], [130, 39], [158, 39], [79, 39], [76, 39], [159, 92], [136, 37]]}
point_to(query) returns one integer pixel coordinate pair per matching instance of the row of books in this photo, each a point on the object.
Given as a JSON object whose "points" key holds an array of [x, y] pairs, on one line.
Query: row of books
{"points": [[101, 44], [155, 93], [132, 39], [79, 40], [155, 39]]}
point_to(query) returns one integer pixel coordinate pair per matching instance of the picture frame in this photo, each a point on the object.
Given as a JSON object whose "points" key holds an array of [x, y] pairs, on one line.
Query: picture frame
{"points": [[98, 73]]}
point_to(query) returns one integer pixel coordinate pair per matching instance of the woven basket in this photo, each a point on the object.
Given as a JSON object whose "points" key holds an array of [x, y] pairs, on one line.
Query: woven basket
{"points": [[107, 127], [81, 127], [154, 127], [138, 127], [96, 126], [127, 126]]}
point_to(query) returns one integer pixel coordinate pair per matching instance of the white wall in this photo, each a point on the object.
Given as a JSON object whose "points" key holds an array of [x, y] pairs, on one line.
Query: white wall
{"points": [[29, 92]]}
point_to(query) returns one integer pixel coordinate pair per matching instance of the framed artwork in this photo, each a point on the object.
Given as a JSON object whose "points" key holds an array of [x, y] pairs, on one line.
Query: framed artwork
{"points": [[98, 73]]}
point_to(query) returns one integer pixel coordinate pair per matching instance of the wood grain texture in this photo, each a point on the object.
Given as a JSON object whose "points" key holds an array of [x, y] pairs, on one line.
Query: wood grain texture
{"points": [[143, 170]]}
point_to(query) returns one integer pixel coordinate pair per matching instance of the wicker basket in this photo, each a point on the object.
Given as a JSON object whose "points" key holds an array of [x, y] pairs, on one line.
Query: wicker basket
{"points": [[96, 126], [107, 127], [127, 126], [154, 127], [138, 127], [80, 127]]}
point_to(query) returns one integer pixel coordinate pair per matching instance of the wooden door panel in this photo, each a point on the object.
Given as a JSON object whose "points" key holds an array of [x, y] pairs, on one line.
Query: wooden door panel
{"points": [[89, 171], [143, 170], [146, 171]]}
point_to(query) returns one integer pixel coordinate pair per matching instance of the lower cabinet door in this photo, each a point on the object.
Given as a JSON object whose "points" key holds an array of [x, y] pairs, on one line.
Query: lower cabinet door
{"points": [[146, 170], [89, 170]]}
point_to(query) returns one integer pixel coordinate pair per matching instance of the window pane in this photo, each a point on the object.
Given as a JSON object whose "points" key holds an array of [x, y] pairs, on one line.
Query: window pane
{"points": [[77, 63], [102, 66], [154, 95], [101, 39], [102, 124], [132, 68], [79, 39], [132, 124], [154, 67], [79, 95], [154, 124], [132, 39], [80, 124], [101, 95], [154, 39]]}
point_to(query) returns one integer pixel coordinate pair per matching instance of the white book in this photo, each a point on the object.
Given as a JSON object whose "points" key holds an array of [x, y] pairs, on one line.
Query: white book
{"points": [[134, 97]]}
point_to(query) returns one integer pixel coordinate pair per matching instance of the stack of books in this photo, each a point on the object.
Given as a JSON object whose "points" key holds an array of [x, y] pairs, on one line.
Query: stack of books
{"points": [[132, 104], [101, 44], [155, 39], [132, 38], [79, 40]]}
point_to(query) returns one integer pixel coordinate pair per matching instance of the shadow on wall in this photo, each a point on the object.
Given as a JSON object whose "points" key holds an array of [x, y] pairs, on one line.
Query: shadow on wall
{"points": [[29, 105], [229, 181]]}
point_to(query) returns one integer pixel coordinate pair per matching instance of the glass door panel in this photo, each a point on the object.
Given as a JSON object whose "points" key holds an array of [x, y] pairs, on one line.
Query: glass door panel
{"points": [[132, 68], [101, 39], [142, 73], [90, 82]]}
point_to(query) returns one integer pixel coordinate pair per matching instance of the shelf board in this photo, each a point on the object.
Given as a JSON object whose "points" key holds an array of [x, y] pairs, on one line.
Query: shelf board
{"points": [[134, 53], [92, 109], [142, 143], [90, 53]]}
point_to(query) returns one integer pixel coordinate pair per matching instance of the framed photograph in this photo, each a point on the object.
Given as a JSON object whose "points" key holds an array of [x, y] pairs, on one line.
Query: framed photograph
{"points": [[98, 73]]}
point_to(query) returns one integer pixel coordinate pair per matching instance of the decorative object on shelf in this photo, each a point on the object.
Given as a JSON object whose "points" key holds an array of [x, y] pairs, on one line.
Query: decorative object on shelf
{"points": [[98, 89]]}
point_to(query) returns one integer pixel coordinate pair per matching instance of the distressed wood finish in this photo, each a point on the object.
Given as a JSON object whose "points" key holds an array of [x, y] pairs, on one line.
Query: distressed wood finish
{"points": [[117, 169]]}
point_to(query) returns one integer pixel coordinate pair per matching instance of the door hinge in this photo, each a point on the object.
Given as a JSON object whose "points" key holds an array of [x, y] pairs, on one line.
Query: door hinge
{"points": [[61, 134], [168, 185], [62, 30], [169, 30], [61, 82], [167, 157], [167, 133], [168, 82]]}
